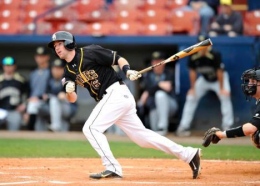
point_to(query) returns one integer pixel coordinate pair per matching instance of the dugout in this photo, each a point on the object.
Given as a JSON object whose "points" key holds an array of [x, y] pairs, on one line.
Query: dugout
{"points": [[238, 54]]}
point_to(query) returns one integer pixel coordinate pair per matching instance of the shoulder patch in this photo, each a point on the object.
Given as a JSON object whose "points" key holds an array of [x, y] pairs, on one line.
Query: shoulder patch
{"points": [[18, 77], [1, 77]]}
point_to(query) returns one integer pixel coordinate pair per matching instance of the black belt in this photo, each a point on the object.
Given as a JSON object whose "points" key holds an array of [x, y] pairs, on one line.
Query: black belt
{"points": [[121, 82]]}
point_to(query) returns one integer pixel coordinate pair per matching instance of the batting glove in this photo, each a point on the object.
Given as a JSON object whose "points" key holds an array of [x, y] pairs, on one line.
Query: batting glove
{"points": [[70, 87], [133, 75]]}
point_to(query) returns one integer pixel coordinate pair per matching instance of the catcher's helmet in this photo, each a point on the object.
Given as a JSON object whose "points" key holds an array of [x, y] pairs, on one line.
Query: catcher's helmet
{"points": [[250, 89], [68, 38]]}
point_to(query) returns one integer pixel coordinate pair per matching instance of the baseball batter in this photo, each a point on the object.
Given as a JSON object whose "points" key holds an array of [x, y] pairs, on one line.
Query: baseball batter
{"points": [[250, 87], [91, 68]]}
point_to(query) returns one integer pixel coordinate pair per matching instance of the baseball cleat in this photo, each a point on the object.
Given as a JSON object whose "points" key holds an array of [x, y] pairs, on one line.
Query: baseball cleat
{"points": [[104, 174], [195, 164]]}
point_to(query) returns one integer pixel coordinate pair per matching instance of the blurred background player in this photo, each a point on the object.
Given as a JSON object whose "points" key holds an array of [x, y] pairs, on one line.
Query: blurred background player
{"points": [[38, 83], [55, 109], [227, 22], [206, 73], [159, 94], [13, 94]]}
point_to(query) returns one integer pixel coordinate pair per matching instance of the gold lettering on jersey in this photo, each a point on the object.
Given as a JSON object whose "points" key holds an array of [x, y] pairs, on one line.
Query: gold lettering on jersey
{"points": [[90, 77], [79, 82]]}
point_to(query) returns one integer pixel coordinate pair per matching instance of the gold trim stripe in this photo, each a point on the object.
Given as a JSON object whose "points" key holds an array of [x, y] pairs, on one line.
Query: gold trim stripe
{"points": [[83, 77]]}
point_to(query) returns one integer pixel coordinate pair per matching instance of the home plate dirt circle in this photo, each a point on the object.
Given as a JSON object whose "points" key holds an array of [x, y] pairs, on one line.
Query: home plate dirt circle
{"points": [[75, 171]]}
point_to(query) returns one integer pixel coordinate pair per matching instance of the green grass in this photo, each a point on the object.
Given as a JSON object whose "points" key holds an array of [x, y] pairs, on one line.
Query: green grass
{"points": [[29, 148]]}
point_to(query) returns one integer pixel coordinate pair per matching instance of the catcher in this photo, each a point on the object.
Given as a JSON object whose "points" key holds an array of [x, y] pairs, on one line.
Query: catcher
{"points": [[251, 88]]}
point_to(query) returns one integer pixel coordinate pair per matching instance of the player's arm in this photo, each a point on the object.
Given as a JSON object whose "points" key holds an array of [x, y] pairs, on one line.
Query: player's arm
{"points": [[72, 97], [193, 77], [125, 67], [220, 75]]}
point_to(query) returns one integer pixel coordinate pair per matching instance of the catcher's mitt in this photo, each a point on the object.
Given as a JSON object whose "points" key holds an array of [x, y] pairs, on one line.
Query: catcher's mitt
{"points": [[210, 136], [256, 139]]}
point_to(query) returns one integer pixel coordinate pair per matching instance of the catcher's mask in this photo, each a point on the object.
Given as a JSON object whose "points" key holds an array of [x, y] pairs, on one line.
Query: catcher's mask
{"points": [[249, 89], [68, 38]]}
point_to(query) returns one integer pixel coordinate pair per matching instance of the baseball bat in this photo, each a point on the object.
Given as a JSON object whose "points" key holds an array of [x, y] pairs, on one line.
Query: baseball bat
{"points": [[184, 53]]}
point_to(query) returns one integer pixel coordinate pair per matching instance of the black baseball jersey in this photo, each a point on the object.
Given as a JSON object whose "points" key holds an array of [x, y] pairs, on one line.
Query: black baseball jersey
{"points": [[12, 91], [92, 68], [206, 65], [255, 120]]}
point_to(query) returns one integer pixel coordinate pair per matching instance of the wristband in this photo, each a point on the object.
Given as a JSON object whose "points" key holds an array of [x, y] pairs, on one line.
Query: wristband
{"points": [[125, 68]]}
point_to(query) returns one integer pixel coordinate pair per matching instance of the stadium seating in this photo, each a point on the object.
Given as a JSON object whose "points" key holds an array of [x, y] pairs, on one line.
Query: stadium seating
{"points": [[126, 4], [155, 17], [174, 4], [157, 29], [10, 4], [101, 28], [10, 27], [83, 6], [185, 22], [31, 12], [252, 23], [60, 16], [10, 14], [148, 4], [75, 27], [93, 16], [42, 28], [125, 15], [129, 28]]}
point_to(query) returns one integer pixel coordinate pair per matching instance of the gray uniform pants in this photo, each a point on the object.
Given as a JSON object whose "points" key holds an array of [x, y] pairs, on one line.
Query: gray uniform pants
{"points": [[58, 111], [166, 106], [201, 88], [13, 120]]}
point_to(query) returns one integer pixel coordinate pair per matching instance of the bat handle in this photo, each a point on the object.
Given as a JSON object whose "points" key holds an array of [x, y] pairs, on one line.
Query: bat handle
{"points": [[145, 70]]}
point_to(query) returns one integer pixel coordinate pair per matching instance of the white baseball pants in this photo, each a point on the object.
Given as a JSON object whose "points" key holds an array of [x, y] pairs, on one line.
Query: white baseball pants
{"points": [[118, 107]]}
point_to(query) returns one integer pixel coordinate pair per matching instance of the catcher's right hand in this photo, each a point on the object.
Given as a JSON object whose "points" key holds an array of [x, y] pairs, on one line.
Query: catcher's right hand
{"points": [[210, 136]]}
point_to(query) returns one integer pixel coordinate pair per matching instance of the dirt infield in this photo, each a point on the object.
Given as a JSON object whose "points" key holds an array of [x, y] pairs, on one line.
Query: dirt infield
{"points": [[155, 172], [60, 171]]}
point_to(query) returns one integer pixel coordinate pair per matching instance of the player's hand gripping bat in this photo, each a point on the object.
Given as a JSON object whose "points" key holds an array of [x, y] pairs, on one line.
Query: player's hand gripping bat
{"points": [[184, 53]]}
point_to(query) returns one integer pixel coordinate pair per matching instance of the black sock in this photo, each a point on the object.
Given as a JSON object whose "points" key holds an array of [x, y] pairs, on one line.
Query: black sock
{"points": [[32, 120]]}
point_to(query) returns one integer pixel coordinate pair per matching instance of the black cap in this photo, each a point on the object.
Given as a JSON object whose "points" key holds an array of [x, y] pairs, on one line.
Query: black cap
{"points": [[158, 55], [8, 60], [57, 63], [42, 51]]}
